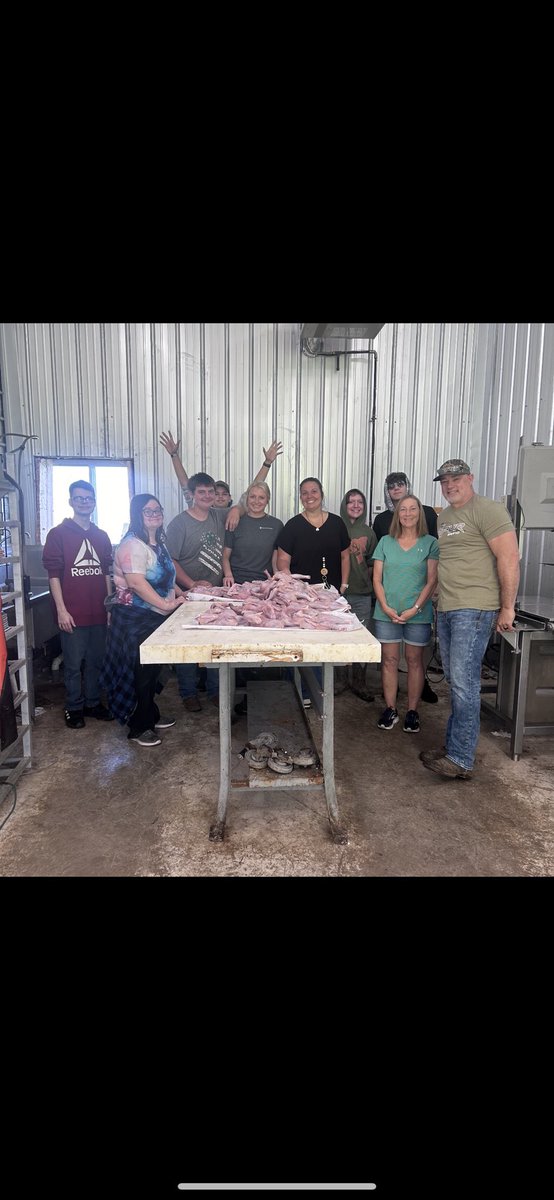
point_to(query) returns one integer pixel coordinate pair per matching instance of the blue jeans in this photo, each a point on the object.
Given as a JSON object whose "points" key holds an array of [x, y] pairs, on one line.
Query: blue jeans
{"points": [[87, 642], [186, 679], [463, 638]]}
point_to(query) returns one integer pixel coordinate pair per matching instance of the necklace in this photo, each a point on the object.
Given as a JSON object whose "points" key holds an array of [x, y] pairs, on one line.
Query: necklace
{"points": [[316, 527]]}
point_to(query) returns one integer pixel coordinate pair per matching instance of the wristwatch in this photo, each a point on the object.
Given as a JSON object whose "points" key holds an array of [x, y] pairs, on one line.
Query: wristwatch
{"points": [[417, 608], [266, 464]]}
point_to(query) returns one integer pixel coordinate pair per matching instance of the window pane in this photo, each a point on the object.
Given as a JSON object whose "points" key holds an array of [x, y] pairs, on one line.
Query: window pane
{"points": [[112, 501], [61, 479]]}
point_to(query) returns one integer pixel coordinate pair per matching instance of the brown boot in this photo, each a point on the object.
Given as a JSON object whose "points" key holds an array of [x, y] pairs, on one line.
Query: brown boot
{"points": [[358, 685], [444, 766]]}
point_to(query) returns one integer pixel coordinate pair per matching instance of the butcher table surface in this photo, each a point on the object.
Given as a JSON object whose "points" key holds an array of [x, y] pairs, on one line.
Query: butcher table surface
{"points": [[179, 640]]}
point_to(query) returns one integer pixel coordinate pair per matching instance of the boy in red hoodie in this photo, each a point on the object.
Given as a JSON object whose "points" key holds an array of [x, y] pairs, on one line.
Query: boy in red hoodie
{"points": [[77, 556]]}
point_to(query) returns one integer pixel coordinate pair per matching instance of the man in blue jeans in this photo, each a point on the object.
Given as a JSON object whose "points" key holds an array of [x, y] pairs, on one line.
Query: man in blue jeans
{"points": [[195, 540], [478, 582], [78, 558]]}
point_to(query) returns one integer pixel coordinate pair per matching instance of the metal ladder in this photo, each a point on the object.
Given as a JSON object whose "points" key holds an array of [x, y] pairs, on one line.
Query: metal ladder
{"points": [[15, 758]]}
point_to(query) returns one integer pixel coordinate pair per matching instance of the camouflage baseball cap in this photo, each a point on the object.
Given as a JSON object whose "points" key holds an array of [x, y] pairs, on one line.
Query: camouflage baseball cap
{"points": [[454, 466]]}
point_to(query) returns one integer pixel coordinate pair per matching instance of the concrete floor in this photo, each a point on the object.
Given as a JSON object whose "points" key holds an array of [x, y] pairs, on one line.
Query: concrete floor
{"points": [[95, 804]]}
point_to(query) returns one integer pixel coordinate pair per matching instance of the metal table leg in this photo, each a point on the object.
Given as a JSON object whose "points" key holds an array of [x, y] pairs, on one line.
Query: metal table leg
{"points": [[338, 833], [217, 830], [520, 694]]}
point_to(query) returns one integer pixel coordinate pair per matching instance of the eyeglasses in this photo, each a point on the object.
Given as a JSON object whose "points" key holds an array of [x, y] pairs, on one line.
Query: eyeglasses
{"points": [[153, 512], [84, 499]]}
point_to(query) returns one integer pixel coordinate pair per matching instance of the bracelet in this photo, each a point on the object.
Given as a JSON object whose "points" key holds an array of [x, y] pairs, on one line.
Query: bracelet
{"points": [[266, 464], [417, 608], [173, 454]]}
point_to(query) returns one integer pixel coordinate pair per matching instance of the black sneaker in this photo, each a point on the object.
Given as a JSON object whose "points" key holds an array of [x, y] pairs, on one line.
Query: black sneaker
{"points": [[147, 738], [74, 718], [241, 708], [388, 719], [100, 712], [428, 695], [411, 721]]}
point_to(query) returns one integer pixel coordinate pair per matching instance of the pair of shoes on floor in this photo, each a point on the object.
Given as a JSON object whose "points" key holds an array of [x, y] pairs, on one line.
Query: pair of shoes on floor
{"points": [[192, 704], [389, 718], [428, 695], [411, 721], [147, 738], [100, 712], [165, 722], [444, 766], [73, 718]]}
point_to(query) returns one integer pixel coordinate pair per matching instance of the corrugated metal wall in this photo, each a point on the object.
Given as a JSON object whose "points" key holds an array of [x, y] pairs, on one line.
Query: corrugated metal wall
{"points": [[441, 390]]}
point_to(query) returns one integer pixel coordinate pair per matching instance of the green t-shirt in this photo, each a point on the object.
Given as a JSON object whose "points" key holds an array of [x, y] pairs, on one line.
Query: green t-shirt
{"points": [[467, 566], [405, 576]]}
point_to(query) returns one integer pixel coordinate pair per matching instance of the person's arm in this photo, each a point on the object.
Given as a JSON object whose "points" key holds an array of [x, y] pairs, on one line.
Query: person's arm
{"points": [[379, 590], [425, 592], [172, 448], [65, 620], [274, 566], [506, 553], [344, 569], [140, 585], [371, 544], [183, 579], [235, 513], [228, 580], [283, 560], [269, 458]]}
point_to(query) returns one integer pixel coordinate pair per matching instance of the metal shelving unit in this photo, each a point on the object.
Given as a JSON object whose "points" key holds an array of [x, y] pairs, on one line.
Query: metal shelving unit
{"points": [[15, 758]]}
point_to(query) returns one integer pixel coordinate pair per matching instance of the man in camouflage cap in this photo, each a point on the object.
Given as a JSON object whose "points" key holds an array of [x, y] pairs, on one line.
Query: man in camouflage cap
{"points": [[454, 466], [478, 582]]}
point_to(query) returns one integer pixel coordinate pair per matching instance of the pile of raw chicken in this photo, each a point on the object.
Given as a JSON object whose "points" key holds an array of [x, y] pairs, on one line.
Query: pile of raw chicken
{"points": [[282, 601]]}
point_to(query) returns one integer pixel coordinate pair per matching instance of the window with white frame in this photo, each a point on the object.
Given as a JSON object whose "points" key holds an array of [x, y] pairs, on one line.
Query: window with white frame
{"points": [[113, 483]]}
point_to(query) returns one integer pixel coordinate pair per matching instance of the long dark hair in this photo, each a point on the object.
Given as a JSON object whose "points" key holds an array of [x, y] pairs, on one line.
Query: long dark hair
{"points": [[136, 523]]}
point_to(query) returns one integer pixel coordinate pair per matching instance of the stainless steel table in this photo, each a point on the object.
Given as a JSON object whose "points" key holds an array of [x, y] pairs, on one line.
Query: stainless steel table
{"points": [[524, 700], [178, 640]]}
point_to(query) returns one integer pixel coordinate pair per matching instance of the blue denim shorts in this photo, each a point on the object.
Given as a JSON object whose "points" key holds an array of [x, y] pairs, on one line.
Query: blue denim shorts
{"points": [[412, 634]]}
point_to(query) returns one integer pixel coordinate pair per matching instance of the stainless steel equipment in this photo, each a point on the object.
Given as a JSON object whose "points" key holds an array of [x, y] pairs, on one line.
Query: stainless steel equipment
{"points": [[524, 700]]}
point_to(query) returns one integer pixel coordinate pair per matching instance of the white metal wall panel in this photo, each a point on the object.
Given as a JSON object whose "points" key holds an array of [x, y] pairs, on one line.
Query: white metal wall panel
{"points": [[225, 390]]}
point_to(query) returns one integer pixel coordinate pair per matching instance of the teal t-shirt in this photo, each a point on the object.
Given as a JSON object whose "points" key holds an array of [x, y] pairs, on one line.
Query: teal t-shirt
{"points": [[405, 575]]}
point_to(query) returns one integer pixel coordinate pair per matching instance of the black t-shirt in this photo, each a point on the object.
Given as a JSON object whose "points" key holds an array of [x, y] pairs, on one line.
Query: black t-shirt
{"points": [[308, 547]]}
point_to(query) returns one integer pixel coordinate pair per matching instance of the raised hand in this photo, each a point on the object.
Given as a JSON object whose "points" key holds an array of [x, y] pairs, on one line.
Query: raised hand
{"points": [[168, 443], [271, 454]]}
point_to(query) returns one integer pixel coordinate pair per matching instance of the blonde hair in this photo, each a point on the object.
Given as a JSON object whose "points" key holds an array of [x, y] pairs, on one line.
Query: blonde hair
{"points": [[259, 485], [396, 528]]}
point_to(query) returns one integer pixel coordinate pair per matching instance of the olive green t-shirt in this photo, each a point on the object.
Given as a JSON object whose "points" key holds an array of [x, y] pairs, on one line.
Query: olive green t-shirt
{"points": [[467, 566]]}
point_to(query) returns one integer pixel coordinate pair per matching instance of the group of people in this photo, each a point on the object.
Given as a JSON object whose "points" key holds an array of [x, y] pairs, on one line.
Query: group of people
{"points": [[471, 555]]}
